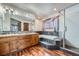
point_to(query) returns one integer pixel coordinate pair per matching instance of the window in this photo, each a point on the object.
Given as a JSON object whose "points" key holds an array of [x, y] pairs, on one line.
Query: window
{"points": [[51, 24]]}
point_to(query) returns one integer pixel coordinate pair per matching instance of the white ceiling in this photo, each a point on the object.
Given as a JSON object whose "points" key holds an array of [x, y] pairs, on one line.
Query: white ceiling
{"points": [[41, 9]]}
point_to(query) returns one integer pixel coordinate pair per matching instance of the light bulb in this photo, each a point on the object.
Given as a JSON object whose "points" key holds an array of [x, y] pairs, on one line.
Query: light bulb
{"points": [[55, 9]]}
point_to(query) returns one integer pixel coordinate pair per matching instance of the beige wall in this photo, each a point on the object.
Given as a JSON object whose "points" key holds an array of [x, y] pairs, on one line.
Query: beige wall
{"points": [[38, 25]]}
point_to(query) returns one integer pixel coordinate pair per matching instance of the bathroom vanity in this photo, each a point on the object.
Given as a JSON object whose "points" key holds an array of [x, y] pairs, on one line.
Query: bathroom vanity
{"points": [[16, 42]]}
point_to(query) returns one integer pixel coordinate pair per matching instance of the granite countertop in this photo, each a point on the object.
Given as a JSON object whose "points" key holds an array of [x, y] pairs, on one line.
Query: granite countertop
{"points": [[17, 34]]}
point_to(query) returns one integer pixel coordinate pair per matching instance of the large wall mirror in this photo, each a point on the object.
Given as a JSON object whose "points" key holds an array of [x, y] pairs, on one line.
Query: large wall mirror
{"points": [[12, 22], [15, 25]]}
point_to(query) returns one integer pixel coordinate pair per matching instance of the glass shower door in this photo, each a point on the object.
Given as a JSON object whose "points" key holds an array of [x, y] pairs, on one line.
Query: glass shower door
{"points": [[72, 24]]}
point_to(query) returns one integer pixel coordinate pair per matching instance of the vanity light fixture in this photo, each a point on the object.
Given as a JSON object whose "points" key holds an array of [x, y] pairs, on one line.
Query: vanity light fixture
{"points": [[11, 11], [15, 13], [55, 9]]}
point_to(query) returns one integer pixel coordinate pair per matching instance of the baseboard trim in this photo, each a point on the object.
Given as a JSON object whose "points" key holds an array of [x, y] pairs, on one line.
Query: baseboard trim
{"points": [[73, 53]]}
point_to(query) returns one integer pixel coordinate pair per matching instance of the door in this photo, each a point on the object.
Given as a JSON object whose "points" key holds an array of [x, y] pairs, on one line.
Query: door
{"points": [[26, 27]]}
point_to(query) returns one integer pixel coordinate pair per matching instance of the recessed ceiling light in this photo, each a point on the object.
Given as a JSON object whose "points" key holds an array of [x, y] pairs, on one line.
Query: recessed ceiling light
{"points": [[55, 9]]}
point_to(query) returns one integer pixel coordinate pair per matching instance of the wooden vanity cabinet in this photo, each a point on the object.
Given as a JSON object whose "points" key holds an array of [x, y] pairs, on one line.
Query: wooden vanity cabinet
{"points": [[15, 43]]}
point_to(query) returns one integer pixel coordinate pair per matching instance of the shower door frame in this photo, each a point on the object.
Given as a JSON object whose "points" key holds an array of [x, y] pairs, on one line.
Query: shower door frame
{"points": [[65, 29]]}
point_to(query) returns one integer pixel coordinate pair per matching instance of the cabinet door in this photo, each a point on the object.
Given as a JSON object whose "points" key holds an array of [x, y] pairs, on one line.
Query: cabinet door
{"points": [[13, 45], [23, 44], [34, 39], [27, 40], [4, 48], [4, 45], [20, 44], [24, 41]]}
